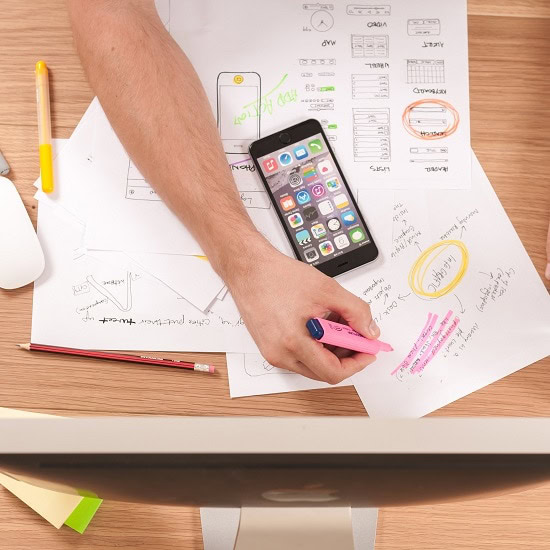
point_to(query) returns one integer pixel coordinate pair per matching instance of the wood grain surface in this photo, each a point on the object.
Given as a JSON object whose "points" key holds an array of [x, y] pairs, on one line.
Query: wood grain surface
{"points": [[510, 103]]}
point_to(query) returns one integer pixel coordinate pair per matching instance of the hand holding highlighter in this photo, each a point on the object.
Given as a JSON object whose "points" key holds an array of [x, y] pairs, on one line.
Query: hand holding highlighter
{"points": [[343, 336]]}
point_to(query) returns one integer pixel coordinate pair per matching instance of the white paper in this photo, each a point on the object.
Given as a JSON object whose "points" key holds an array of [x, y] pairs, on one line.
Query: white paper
{"points": [[497, 316], [251, 374], [363, 68], [83, 302]]}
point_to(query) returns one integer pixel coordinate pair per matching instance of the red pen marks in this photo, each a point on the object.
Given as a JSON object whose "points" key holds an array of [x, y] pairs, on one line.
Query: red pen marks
{"points": [[428, 344]]}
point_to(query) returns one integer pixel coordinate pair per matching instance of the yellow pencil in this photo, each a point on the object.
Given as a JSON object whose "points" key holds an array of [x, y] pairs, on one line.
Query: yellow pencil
{"points": [[44, 127]]}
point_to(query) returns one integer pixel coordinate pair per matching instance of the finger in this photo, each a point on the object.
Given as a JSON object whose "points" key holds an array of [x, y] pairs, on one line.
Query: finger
{"points": [[355, 311], [326, 365], [547, 270], [293, 365]]}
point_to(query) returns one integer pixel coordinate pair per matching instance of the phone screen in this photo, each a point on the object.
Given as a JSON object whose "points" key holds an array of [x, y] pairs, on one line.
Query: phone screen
{"points": [[314, 201]]}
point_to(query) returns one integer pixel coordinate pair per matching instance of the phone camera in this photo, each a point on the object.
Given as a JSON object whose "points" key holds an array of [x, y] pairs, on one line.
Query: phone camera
{"points": [[284, 138]]}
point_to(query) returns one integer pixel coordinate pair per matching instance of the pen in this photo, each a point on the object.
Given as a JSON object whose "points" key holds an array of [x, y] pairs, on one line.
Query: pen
{"points": [[44, 127], [200, 367], [343, 336]]}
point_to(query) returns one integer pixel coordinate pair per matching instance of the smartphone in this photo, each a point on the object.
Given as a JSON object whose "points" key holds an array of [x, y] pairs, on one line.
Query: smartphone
{"points": [[238, 110], [312, 199]]}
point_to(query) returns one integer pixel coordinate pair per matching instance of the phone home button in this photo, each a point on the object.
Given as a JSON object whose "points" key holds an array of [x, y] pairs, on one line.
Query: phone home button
{"points": [[284, 138]]}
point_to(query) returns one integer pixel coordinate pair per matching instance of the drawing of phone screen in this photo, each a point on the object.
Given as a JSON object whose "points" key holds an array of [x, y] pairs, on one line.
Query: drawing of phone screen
{"points": [[313, 200], [238, 110]]}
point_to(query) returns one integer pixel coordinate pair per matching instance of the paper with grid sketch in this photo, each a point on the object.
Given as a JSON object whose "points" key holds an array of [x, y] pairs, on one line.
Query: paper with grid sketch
{"points": [[389, 84]]}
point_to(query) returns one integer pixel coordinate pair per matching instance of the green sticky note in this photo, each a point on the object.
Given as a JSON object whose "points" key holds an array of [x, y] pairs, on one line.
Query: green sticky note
{"points": [[83, 514]]}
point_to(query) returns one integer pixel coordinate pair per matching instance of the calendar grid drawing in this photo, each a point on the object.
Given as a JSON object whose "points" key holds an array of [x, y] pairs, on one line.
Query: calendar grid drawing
{"points": [[425, 71]]}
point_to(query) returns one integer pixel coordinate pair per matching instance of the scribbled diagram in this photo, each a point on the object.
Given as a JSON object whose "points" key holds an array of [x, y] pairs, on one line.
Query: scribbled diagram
{"points": [[107, 294], [428, 344], [430, 119], [425, 71], [439, 269], [429, 154], [137, 187]]}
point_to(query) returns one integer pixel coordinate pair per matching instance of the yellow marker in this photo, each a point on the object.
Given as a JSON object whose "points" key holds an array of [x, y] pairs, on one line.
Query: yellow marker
{"points": [[44, 127]]}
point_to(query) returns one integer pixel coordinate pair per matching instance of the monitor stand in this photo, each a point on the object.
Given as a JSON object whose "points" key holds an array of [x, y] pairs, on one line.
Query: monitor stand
{"points": [[289, 528]]}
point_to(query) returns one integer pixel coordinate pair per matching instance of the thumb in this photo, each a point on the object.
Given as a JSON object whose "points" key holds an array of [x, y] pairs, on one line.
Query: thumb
{"points": [[355, 311]]}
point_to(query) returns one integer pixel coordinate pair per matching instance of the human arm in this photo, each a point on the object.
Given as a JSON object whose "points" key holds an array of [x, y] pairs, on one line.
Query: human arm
{"points": [[160, 112]]}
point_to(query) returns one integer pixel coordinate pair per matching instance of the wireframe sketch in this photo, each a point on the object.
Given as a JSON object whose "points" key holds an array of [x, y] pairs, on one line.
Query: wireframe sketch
{"points": [[362, 9], [370, 45], [371, 134], [238, 110], [425, 71], [370, 86], [423, 27]]}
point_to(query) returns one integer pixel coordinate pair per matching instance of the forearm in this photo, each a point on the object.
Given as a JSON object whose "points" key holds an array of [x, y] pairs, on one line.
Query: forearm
{"points": [[159, 110]]}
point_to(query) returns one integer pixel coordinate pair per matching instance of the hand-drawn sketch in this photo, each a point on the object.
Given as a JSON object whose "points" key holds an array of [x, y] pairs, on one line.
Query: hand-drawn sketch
{"points": [[423, 27], [426, 154], [321, 20], [430, 119], [256, 365], [105, 292], [314, 62], [370, 45], [425, 71], [427, 345], [370, 86], [136, 186], [439, 269], [371, 134], [360, 9], [238, 109]]}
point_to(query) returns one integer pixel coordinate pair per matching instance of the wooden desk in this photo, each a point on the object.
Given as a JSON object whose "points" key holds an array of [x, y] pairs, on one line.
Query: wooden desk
{"points": [[510, 79]]}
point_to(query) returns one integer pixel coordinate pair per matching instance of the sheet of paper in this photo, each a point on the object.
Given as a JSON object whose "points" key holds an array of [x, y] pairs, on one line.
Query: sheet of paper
{"points": [[469, 309], [83, 302], [389, 82], [251, 374], [122, 199]]}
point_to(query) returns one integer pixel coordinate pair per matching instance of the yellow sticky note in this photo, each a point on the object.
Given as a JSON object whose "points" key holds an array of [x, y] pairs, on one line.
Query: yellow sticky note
{"points": [[74, 510], [54, 507]]}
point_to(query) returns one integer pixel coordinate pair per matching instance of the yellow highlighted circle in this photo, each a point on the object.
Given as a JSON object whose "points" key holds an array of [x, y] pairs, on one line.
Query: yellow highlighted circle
{"points": [[420, 268], [238, 79]]}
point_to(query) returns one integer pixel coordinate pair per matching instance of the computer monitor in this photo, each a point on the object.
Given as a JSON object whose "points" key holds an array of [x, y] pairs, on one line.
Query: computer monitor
{"points": [[265, 465]]}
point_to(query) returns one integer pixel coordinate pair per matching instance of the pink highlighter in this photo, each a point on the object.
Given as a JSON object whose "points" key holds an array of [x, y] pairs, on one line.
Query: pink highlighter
{"points": [[343, 336]]}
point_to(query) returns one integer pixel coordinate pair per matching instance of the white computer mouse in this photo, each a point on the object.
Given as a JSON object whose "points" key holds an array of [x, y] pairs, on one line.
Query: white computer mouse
{"points": [[21, 256]]}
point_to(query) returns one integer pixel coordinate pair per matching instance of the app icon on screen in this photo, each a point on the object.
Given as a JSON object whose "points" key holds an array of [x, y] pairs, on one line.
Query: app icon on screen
{"points": [[319, 231], [325, 207], [300, 152], [294, 179], [357, 235], [341, 242], [310, 213], [318, 190], [315, 146], [295, 220], [302, 197], [341, 201], [311, 255], [325, 167], [349, 218], [270, 165], [326, 248], [285, 158], [308, 173], [287, 203], [333, 184], [334, 224], [303, 237]]}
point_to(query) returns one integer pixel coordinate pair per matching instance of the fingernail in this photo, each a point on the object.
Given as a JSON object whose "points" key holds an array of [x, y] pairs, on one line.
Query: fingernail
{"points": [[373, 329], [547, 272]]}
